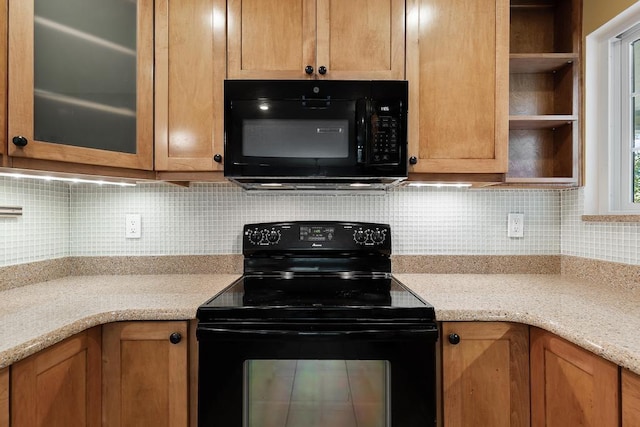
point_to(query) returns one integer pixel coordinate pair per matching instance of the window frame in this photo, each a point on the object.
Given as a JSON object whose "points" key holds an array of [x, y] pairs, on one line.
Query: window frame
{"points": [[604, 180]]}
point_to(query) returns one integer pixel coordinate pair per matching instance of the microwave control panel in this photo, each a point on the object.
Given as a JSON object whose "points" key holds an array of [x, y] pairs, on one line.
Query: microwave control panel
{"points": [[384, 146]]}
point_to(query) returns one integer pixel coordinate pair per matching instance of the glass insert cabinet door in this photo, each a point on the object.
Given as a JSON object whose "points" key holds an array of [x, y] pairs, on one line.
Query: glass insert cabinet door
{"points": [[81, 81]]}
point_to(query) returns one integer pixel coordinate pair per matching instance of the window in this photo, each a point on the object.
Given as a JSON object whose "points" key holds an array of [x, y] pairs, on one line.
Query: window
{"points": [[612, 125]]}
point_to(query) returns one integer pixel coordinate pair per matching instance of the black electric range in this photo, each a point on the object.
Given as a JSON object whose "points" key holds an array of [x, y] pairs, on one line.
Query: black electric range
{"points": [[316, 291]]}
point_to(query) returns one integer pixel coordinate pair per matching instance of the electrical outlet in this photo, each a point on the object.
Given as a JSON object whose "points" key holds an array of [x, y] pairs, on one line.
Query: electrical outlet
{"points": [[515, 225], [132, 226]]}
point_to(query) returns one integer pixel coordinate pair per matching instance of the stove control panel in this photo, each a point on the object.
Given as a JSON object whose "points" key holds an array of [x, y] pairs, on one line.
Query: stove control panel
{"points": [[368, 236], [312, 236]]}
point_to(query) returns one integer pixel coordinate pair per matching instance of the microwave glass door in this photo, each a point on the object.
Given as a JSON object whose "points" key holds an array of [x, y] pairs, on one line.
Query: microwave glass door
{"points": [[293, 132], [292, 138]]}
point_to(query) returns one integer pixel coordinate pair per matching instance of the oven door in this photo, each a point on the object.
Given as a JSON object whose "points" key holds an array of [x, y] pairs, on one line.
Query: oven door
{"points": [[293, 375]]}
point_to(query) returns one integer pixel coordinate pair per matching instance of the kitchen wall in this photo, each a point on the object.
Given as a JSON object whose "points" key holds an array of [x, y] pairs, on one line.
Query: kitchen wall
{"points": [[86, 220], [597, 12]]}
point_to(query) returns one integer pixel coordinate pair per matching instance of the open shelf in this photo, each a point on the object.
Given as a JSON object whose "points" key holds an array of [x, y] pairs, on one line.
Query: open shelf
{"points": [[544, 92], [540, 122], [520, 63]]}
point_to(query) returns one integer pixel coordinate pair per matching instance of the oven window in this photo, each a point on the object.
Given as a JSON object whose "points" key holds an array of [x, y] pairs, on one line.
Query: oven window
{"points": [[302, 139], [302, 393]]}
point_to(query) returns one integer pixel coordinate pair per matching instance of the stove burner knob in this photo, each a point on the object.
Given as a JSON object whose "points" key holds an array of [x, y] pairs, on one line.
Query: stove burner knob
{"points": [[359, 236], [255, 237], [273, 236], [175, 337], [378, 236], [454, 339]]}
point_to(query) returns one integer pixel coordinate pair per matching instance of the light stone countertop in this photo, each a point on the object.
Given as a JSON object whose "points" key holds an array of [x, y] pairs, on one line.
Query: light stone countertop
{"points": [[600, 318], [34, 317], [603, 319]]}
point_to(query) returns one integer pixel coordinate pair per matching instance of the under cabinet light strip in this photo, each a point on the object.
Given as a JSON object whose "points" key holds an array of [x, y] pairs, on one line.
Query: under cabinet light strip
{"points": [[10, 211], [69, 180], [439, 185]]}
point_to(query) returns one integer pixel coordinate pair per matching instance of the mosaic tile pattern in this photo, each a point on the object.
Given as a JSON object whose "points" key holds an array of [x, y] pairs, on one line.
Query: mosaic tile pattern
{"points": [[607, 241], [42, 232], [208, 218], [61, 220]]}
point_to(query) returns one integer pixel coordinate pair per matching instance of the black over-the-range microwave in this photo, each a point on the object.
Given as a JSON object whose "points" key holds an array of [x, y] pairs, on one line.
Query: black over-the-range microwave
{"points": [[315, 134]]}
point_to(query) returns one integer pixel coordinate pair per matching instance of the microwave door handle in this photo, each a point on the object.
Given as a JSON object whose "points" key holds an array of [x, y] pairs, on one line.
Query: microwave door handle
{"points": [[362, 130]]}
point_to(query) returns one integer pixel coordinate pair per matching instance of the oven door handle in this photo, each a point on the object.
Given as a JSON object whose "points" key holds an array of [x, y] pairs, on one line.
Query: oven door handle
{"points": [[204, 331]]}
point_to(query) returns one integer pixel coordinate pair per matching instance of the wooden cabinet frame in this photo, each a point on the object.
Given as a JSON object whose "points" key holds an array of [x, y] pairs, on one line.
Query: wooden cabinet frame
{"points": [[4, 397], [48, 386], [449, 133], [486, 374], [312, 43], [144, 374], [570, 385], [21, 93], [197, 135]]}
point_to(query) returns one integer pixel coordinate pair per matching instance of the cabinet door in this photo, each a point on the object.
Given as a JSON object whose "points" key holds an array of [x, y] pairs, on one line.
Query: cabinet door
{"points": [[145, 374], [458, 72], [361, 39], [571, 386], [271, 39], [3, 83], [190, 71], [485, 374], [59, 386], [630, 399], [81, 81], [4, 397]]}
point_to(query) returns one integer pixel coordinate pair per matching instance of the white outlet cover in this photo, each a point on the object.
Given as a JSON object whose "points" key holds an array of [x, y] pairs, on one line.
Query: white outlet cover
{"points": [[515, 225], [133, 226]]}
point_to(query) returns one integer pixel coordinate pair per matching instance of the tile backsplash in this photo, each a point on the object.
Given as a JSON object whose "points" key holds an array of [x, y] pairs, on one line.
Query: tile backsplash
{"points": [[42, 232], [208, 218], [87, 220]]}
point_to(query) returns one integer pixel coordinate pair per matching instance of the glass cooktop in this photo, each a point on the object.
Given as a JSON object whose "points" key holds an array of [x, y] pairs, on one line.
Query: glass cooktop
{"points": [[262, 297]]}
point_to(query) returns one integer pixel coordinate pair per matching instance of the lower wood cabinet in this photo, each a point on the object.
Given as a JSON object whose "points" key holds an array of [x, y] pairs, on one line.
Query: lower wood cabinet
{"points": [[630, 399], [59, 386], [145, 374], [4, 397], [571, 386], [485, 374]]}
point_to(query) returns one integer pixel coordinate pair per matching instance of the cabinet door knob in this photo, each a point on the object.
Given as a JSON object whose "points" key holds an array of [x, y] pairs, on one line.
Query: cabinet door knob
{"points": [[308, 69], [413, 160], [175, 337], [217, 158], [454, 339], [322, 70], [20, 141]]}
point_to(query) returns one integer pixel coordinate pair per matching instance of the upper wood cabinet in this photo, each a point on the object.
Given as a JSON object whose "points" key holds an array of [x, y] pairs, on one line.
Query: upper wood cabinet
{"points": [[355, 39], [145, 376], [59, 386], [545, 91], [80, 79], [571, 386], [457, 67], [4, 397], [630, 399], [3, 83], [485, 374], [190, 71]]}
